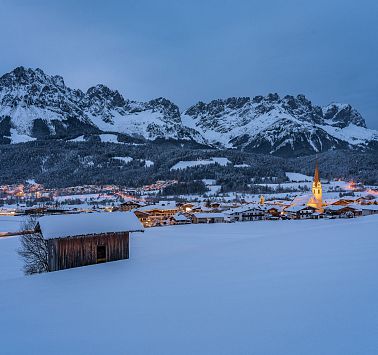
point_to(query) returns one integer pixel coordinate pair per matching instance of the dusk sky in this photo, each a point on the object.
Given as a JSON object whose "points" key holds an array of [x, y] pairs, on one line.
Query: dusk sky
{"points": [[201, 50]]}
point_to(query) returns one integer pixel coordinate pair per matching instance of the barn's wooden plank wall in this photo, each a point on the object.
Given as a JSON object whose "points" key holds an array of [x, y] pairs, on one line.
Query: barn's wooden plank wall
{"points": [[65, 253]]}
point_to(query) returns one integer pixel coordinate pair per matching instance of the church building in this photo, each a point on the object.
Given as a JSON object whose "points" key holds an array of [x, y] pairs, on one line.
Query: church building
{"points": [[316, 200]]}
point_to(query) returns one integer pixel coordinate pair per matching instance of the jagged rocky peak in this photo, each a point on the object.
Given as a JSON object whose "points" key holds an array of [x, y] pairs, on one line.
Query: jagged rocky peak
{"points": [[34, 105], [299, 106], [165, 107], [302, 108], [342, 115], [270, 101], [32, 87], [22, 76], [101, 93], [103, 102], [278, 125], [216, 107]]}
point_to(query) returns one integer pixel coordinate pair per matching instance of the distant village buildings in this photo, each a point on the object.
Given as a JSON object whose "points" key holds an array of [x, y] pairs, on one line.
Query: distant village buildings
{"points": [[301, 207], [324, 201]]}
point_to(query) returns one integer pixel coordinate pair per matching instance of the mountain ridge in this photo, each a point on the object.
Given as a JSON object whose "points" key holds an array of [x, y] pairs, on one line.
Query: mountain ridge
{"points": [[37, 106]]}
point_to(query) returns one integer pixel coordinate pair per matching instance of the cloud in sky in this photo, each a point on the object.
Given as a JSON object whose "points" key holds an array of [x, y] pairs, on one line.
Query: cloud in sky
{"points": [[201, 50]]}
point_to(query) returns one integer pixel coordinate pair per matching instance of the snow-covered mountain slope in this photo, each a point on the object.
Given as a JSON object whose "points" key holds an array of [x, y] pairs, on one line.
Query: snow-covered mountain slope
{"points": [[34, 105], [279, 125]]}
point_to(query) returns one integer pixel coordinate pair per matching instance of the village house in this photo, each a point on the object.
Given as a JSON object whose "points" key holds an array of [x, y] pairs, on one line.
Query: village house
{"points": [[157, 214], [346, 200], [209, 217], [368, 209], [341, 211], [271, 211], [186, 206], [129, 205], [180, 218], [89, 238], [301, 212], [143, 217], [251, 212], [201, 207]]}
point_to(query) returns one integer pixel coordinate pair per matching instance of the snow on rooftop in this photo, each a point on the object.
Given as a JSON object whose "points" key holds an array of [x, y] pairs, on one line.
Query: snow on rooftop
{"points": [[301, 199], [340, 207], [244, 208], [61, 226], [297, 208], [162, 205], [180, 217], [209, 215]]}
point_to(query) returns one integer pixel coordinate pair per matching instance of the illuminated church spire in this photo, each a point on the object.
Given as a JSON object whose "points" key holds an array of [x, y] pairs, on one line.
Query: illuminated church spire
{"points": [[317, 192], [316, 176]]}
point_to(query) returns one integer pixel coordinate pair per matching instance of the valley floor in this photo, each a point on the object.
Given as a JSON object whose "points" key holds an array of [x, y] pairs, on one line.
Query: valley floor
{"points": [[284, 287]]}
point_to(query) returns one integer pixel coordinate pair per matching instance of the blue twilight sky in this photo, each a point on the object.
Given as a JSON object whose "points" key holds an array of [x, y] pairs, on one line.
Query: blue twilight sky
{"points": [[201, 50]]}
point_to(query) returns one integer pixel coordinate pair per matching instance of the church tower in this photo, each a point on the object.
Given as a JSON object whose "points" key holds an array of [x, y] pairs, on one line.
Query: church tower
{"points": [[317, 185], [317, 192]]}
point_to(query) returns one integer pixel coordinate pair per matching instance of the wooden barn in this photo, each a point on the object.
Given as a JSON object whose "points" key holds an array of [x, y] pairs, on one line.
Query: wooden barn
{"points": [[88, 238]]}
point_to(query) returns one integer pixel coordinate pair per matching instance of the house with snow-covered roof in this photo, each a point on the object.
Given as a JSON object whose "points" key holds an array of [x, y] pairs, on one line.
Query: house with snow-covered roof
{"points": [[157, 214], [180, 218], [301, 212], [208, 217], [342, 211], [366, 210], [88, 238], [250, 212]]}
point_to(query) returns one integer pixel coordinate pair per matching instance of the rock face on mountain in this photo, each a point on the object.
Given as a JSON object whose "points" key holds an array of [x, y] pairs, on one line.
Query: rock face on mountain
{"points": [[34, 105], [280, 126]]}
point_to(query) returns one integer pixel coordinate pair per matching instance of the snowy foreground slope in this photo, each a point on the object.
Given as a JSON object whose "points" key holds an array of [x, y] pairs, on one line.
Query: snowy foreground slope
{"points": [[285, 287]]}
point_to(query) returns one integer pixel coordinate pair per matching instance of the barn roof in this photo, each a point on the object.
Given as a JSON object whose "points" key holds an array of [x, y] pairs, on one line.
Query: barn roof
{"points": [[61, 226]]}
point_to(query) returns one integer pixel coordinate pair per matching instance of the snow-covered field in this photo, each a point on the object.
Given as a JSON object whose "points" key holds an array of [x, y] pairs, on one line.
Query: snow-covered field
{"points": [[124, 159], [298, 177], [84, 197], [194, 163], [11, 224], [109, 138], [285, 287]]}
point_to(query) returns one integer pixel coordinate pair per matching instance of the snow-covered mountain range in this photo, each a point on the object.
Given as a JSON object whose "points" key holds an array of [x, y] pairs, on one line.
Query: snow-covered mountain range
{"points": [[34, 105]]}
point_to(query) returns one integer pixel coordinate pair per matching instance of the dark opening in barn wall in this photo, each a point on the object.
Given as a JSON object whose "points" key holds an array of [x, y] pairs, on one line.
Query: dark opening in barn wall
{"points": [[101, 254]]}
